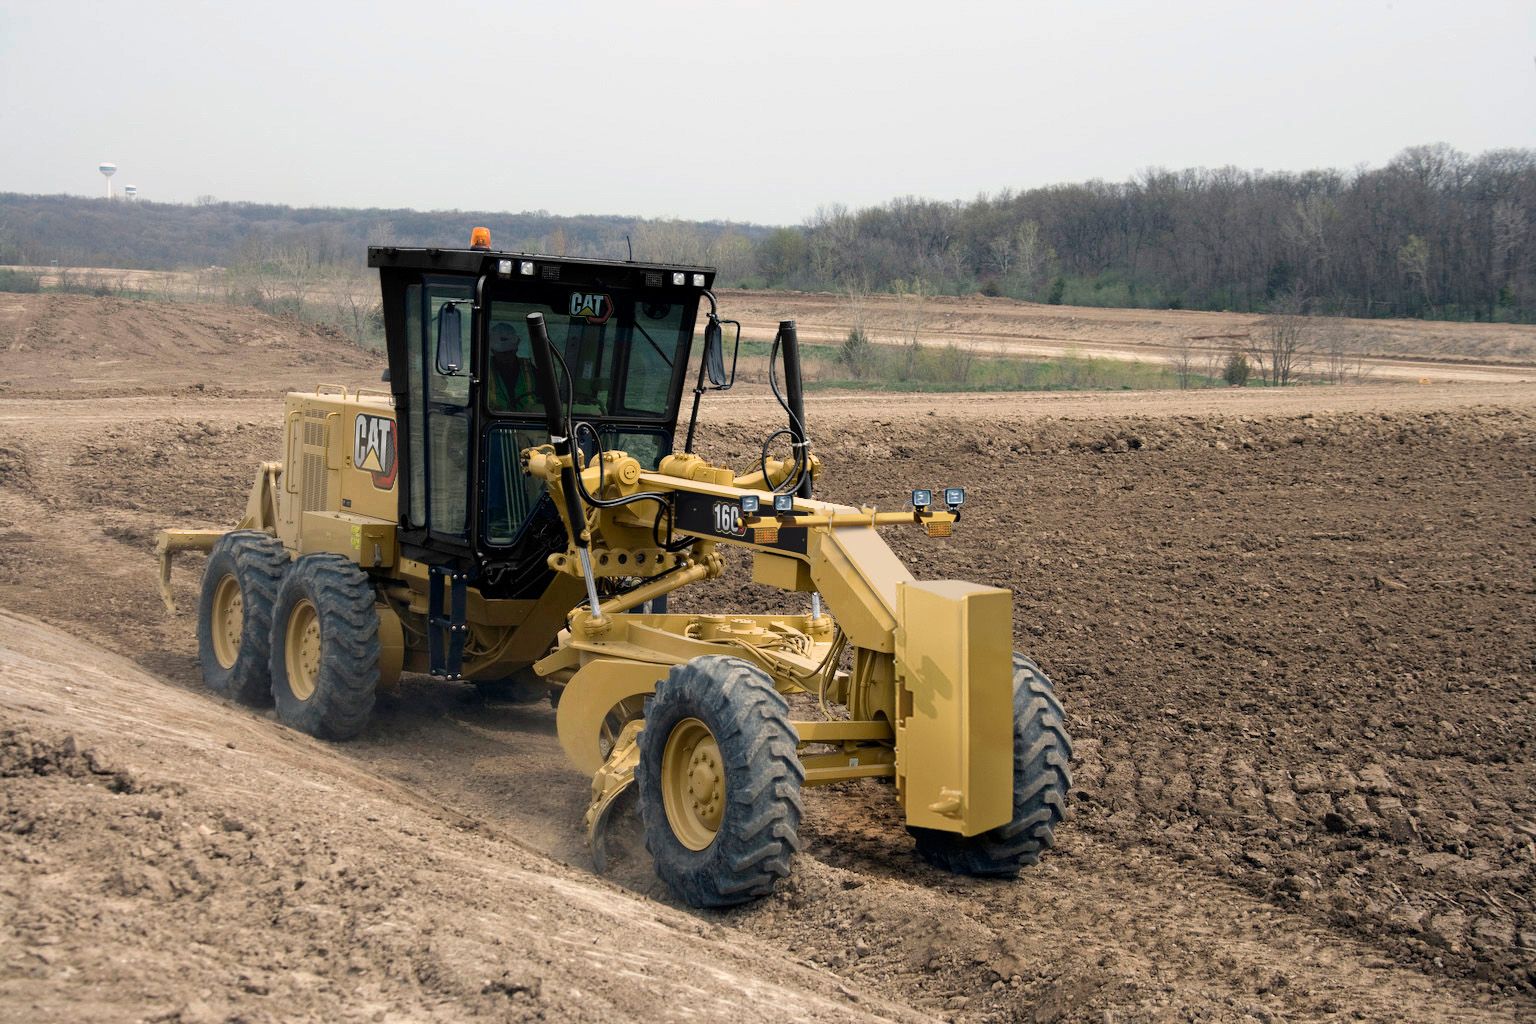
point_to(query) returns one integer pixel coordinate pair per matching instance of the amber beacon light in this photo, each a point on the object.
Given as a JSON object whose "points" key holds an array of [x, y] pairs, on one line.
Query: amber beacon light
{"points": [[480, 238]]}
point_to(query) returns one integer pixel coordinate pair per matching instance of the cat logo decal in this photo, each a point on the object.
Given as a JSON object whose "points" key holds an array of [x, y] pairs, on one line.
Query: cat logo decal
{"points": [[593, 307], [374, 449]]}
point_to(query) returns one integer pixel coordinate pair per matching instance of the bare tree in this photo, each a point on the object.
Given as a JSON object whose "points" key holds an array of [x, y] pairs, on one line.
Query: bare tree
{"points": [[356, 298], [730, 253], [1184, 362], [1343, 358], [1215, 363], [1413, 261], [298, 267], [913, 318], [1277, 348], [857, 352], [671, 241]]}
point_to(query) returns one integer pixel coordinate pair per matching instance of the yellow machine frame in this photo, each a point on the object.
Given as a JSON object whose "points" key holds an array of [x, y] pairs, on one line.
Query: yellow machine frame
{"points": [[927, 693]]}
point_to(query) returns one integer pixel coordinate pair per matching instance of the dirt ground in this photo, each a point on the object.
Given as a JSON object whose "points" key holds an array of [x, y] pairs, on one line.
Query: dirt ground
{"points": [[1295, 633]]}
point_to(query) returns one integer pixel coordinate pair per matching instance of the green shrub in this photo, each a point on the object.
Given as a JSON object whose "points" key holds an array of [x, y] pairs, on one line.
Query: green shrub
{"points": [[19, 281], [1237, 370], [856, 353]]}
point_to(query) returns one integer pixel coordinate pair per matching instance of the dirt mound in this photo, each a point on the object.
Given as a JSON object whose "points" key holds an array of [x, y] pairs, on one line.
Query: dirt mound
{"points": [[92, 347], [259, 877]]}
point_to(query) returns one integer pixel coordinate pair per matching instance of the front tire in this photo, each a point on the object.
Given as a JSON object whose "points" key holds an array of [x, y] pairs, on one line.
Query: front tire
{"points": [[325, 648], [719, 782], [234, 615], [1042, 777]]}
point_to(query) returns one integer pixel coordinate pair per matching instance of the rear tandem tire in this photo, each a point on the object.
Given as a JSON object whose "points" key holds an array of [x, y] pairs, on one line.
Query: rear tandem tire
{"points": [[234, 615], [325, 648], [719, 782], [1042, 777]]}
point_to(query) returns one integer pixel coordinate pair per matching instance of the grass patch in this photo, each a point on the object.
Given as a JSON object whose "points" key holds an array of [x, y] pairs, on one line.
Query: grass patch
{"points": [[19, 281], [952, 367]]}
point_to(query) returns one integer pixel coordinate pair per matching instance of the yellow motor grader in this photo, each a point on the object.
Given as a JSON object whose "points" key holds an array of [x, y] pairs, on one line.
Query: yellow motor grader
{"points": [[512, 511]]}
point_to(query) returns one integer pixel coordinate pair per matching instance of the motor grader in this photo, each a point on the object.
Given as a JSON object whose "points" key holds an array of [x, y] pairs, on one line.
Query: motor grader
{"points": [[512, 512]]}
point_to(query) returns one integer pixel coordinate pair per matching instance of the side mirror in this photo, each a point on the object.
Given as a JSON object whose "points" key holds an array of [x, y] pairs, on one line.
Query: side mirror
{"points": [[714, 354], [385, 375], [450, 343]]}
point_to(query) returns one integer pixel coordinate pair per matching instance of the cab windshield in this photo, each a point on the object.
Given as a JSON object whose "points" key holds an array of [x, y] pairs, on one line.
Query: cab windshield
{"points": [[622, 351]]}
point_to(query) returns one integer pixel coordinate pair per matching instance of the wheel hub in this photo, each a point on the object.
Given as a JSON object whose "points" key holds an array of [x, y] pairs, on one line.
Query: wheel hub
{"points": [[693, 784], [301, 649], [228, 621]]}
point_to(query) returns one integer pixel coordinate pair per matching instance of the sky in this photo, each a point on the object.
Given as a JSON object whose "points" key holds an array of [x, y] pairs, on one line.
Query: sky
{"points": [[740, 111]]}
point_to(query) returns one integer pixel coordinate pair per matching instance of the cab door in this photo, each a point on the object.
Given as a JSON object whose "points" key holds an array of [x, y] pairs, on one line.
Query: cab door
{"points": [[440, 501]]}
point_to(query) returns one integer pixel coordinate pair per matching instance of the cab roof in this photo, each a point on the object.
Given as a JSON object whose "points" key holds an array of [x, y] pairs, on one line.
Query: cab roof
{"points": [[571, 269]]}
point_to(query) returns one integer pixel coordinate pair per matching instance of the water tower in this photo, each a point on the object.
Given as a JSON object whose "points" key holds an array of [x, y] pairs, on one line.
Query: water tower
{"points": [[130, 191], [107, 170]]}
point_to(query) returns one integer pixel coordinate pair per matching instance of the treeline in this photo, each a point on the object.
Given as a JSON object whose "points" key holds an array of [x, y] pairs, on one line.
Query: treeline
{"points": [[82, 232], [1435, 233]]}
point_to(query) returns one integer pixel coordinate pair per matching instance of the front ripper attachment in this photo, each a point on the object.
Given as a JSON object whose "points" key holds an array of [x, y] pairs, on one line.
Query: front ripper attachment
{"points": [[168, 542]]}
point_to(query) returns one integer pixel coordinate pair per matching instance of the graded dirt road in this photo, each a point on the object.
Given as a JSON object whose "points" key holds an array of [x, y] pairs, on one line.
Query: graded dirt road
{"points": [[1293, 631], [1404, 350]]}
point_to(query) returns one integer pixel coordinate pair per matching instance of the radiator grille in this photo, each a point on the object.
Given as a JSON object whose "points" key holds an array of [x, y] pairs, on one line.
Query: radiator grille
{"points": [[315, 479]]}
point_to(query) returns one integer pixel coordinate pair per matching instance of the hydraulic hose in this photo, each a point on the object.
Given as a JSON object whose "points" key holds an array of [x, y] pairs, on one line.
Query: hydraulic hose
{"points": [[794, 388], [554, 418]]}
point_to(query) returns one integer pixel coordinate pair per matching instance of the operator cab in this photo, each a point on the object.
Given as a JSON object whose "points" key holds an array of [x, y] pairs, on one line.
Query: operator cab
{"points": [[461, 369]]}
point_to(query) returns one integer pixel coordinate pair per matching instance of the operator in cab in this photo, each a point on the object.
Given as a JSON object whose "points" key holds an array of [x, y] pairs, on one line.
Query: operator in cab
{"points": [[512, 387]]}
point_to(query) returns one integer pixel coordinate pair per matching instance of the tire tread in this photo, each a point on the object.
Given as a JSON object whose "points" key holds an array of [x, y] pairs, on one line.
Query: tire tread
{"points": [[1042, 777], [343, 700], [759, 833], [259, 563]]}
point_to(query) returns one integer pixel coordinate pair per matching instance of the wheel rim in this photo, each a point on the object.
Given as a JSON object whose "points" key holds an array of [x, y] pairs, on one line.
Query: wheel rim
{"points": [[693, 783], [301, 649], [228, 621]]}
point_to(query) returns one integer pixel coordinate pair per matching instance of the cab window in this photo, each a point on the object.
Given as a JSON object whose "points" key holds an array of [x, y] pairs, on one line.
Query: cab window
{"points": [[622, 360]]}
